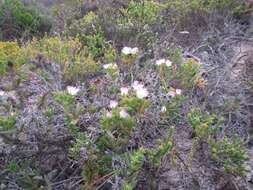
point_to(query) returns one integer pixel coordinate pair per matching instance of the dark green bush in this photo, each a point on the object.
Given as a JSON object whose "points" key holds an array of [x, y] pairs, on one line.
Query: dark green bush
{"points": [[21, 21]]}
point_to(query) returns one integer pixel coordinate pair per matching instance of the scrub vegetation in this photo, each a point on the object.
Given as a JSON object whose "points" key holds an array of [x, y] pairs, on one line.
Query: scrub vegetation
{"points": [[126, 94]]}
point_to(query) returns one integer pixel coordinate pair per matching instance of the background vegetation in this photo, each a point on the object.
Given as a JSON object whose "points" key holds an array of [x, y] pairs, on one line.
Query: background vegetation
{"points": [[125, 94]]}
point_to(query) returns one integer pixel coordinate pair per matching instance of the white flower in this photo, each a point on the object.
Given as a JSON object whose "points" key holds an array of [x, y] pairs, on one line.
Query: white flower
{"points": [[184, 32], [142, 93], [124, 91], [178, 91], [134, 50], [113, 104], [167, 62], [130, 51], [72, 90], [172, 93], [123, 113], [109, 114], [137, 85], [126, 50], [110, 66], [163, 109], [160, 62], [2, 93]]}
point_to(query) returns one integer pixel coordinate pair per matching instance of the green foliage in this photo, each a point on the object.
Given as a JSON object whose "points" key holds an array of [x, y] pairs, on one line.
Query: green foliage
{"points": [[133, 22], [187, 73], [116, 123], [75, 59], [11, 57], [185, 6], [136, 160], [88, 25], [12, 166], [128, 59], [64, 98], [144, 12], [49, 112], [80, 141], [95, 162], [98, 47], [155, 155], [147, 38], [201, 123], [149, 157], [96, 166], [230, 153], [236, 7], [18, 20], [172, 107], [105, 142], [72, 110], [72, 115], [88, 30], [175, 55], [25, 175], [127, 186], [29, 179], [7, 123], [134, 104]]}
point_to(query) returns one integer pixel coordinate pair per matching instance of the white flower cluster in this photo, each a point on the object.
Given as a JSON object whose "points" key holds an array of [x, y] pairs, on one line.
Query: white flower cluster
{"points": [[124, 91], [2, 93], [141, 91], [130, 51], [72, 90], [113, 104], [111, 66], [166, 62], [172, 93], [175, 92], [123, 113]]}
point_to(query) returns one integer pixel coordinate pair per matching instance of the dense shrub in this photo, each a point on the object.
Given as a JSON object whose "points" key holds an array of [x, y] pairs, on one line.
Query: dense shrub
{"points": [[88, 30], [230, 6], [75, 59], [11, 57], [21, 21]]}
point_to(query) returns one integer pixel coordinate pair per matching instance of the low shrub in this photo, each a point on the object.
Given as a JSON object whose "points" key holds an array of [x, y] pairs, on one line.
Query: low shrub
{"points": [[74, 58], [21, 21], [230, 154], [7, 123], [187, 73], [141, 12], [201, 123], [11, 57], [230, 6], [87, 25], [88, 29]]}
